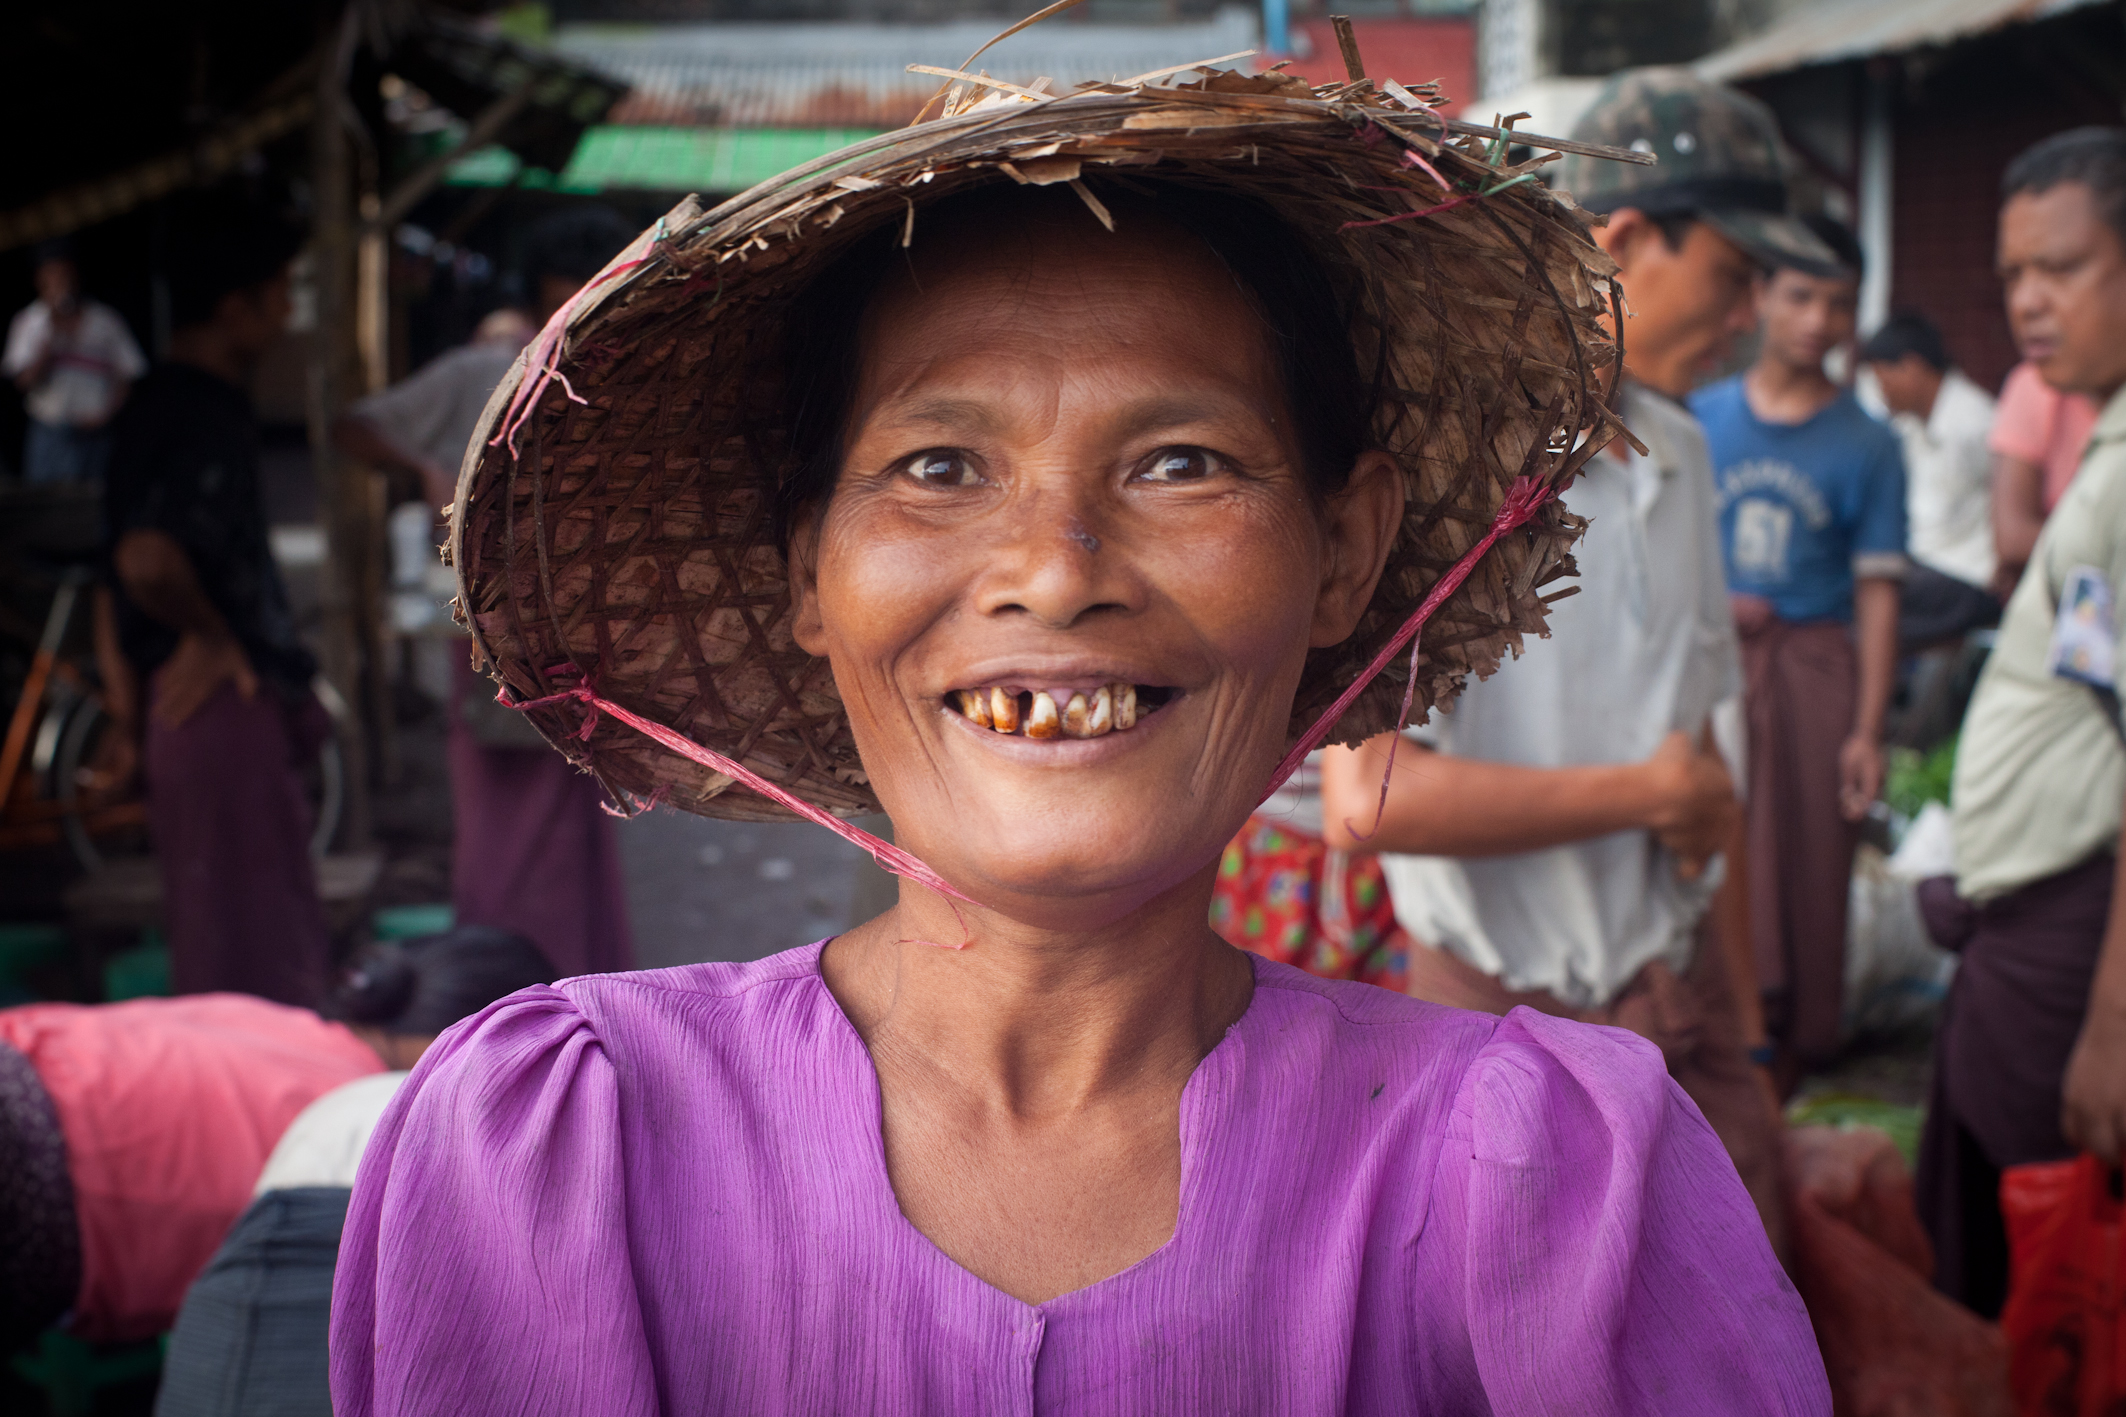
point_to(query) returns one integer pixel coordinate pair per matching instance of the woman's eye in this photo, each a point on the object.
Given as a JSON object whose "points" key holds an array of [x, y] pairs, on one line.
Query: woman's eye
{"points": [[942, 467], [1182, 465]]}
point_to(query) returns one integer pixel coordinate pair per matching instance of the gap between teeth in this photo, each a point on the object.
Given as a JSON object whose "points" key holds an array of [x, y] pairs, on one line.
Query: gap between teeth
{"points": [[1107, 709]]}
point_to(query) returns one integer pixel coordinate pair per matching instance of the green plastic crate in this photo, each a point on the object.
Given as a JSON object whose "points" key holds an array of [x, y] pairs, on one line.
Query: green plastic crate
{"points": [[410, 922], [24, 951], [142, 972]]}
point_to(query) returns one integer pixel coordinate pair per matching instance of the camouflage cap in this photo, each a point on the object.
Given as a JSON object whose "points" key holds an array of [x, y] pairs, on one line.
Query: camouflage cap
{"points": [[1718, 157]]}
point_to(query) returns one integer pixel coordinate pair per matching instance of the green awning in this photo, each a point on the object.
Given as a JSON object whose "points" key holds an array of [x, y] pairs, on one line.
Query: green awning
{"points": [[644, 159]]}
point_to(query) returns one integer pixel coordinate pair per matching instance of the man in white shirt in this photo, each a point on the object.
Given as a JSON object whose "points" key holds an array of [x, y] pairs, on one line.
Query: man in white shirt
{"points": [[1558, 834], [1944, 420], [74, 360]]}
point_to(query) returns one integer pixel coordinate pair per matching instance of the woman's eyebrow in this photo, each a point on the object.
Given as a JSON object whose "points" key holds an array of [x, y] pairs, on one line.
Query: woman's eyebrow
{"points": [[1127, 417], [937, 412], [1165, 410]]}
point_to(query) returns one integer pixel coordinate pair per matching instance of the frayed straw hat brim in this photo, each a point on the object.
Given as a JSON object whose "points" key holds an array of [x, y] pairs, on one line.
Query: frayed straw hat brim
{"points": [[612, 525]]}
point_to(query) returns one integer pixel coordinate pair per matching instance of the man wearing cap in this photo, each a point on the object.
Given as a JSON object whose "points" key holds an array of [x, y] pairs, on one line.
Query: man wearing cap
{"points": [[1557, 839], [1812, 522]]}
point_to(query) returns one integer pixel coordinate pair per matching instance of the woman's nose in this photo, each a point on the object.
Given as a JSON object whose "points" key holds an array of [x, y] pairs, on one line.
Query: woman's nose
{"points": [[1054, 559]]}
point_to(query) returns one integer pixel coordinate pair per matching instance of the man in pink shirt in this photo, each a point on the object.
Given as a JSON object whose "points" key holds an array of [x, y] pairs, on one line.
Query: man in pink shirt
{"points": [[2038, 436]]}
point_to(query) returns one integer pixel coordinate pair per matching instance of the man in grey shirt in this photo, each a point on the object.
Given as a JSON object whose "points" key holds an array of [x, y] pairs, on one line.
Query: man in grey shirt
{"points": [[534, 851]]}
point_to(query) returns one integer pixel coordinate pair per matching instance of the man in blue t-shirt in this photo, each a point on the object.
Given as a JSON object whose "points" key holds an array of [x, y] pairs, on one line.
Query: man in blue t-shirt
{"points": [[1812, 525]]}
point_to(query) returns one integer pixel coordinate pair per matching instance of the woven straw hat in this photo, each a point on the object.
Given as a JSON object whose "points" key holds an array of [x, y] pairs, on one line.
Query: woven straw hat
{"points": [[612, 524]]}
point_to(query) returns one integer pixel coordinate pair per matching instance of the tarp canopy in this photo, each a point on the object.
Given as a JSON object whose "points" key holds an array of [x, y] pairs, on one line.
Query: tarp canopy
{"points": [[631, 158], [1835, 30]]}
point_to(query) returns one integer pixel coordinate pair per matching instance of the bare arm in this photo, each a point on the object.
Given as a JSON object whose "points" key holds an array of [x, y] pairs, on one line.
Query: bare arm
{"points": [[121, 692], [2093, 1100], [1860, 761], [359, 437], [158, 577], [2018, 516], [1443, 805], [31, 376], [121, 389]]}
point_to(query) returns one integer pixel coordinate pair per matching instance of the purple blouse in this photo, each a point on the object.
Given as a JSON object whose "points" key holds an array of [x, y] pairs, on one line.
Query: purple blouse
{"points": [[666, 1192]]}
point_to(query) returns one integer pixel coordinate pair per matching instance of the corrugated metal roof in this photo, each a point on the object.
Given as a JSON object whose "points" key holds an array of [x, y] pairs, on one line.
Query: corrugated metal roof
{"points": [[856, 75], [1834, 30]]}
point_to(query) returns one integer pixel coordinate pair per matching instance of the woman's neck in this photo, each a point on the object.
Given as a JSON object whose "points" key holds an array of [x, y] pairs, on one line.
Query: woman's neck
{"points": [[1039, 1020]]}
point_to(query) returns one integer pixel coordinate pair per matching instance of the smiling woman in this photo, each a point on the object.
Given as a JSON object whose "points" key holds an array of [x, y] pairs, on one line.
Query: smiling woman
{"points": [[1049, 518]]}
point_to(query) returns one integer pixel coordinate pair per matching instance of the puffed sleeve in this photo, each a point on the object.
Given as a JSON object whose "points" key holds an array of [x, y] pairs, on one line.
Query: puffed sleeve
{"points": [[1609, 1259], [484, 1267]]}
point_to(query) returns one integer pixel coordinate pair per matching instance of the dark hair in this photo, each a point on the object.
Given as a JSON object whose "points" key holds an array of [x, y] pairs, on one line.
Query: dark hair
{"points": [[220, 242], [1840, 238], [1903, 334], [423, 986], [1674, 227], [1329, 398], [573, 244], [2094, 157], [57, 248]]}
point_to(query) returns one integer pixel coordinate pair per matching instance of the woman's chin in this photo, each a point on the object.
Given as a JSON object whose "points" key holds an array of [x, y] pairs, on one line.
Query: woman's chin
{"points": [[1097, 867]]}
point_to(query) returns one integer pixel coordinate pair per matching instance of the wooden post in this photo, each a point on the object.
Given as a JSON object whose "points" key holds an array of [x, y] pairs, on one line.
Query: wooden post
{"points": [[372, 339], [343, 498]]}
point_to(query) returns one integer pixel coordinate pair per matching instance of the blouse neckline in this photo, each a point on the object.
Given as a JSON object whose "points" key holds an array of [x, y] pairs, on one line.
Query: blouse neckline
{"points": [[1197, 1116]]}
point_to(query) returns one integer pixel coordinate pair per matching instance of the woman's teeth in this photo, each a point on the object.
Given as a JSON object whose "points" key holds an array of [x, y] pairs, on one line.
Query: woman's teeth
{"points": [[1052, 713]]}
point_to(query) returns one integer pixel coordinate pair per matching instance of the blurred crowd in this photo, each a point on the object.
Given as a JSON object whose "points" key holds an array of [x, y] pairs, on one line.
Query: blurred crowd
{"points": [[1649, 821]]}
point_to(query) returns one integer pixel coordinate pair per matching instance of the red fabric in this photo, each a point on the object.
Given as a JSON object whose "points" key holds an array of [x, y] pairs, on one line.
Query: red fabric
{"points": [[1286, 896], [1411, 49], [1891, 1345], [2037, 423], [2065, 1318], [170, 1108]]}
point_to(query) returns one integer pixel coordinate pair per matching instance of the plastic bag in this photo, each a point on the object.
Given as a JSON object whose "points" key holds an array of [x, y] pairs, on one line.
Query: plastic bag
{"points": [[1895, 975], [2064, 1317]]}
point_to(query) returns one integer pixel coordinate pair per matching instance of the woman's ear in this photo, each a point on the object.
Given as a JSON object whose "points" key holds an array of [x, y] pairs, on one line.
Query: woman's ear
{"points": [[807, 626], [1361, 523]]}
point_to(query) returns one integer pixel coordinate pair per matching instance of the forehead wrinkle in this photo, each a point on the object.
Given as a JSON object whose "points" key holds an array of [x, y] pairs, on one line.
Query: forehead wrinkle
{"points": [[1057, 323]]}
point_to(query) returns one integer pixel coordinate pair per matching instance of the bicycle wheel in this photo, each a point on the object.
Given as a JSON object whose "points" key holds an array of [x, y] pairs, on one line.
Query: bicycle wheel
{"points": [[96, 834], [98, 831]]}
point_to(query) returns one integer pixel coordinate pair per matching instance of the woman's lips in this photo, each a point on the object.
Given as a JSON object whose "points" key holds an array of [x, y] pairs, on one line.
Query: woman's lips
{"points": [[1057, 712]]}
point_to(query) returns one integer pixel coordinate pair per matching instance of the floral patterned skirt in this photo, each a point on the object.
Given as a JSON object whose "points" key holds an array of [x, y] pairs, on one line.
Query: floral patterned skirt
{"points": [[1287, 896]]}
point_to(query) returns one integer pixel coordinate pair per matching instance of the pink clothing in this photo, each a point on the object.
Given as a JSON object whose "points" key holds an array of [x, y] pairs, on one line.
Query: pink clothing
{"points": [[666, 1193], [2037, 423], [170, 1108]]}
